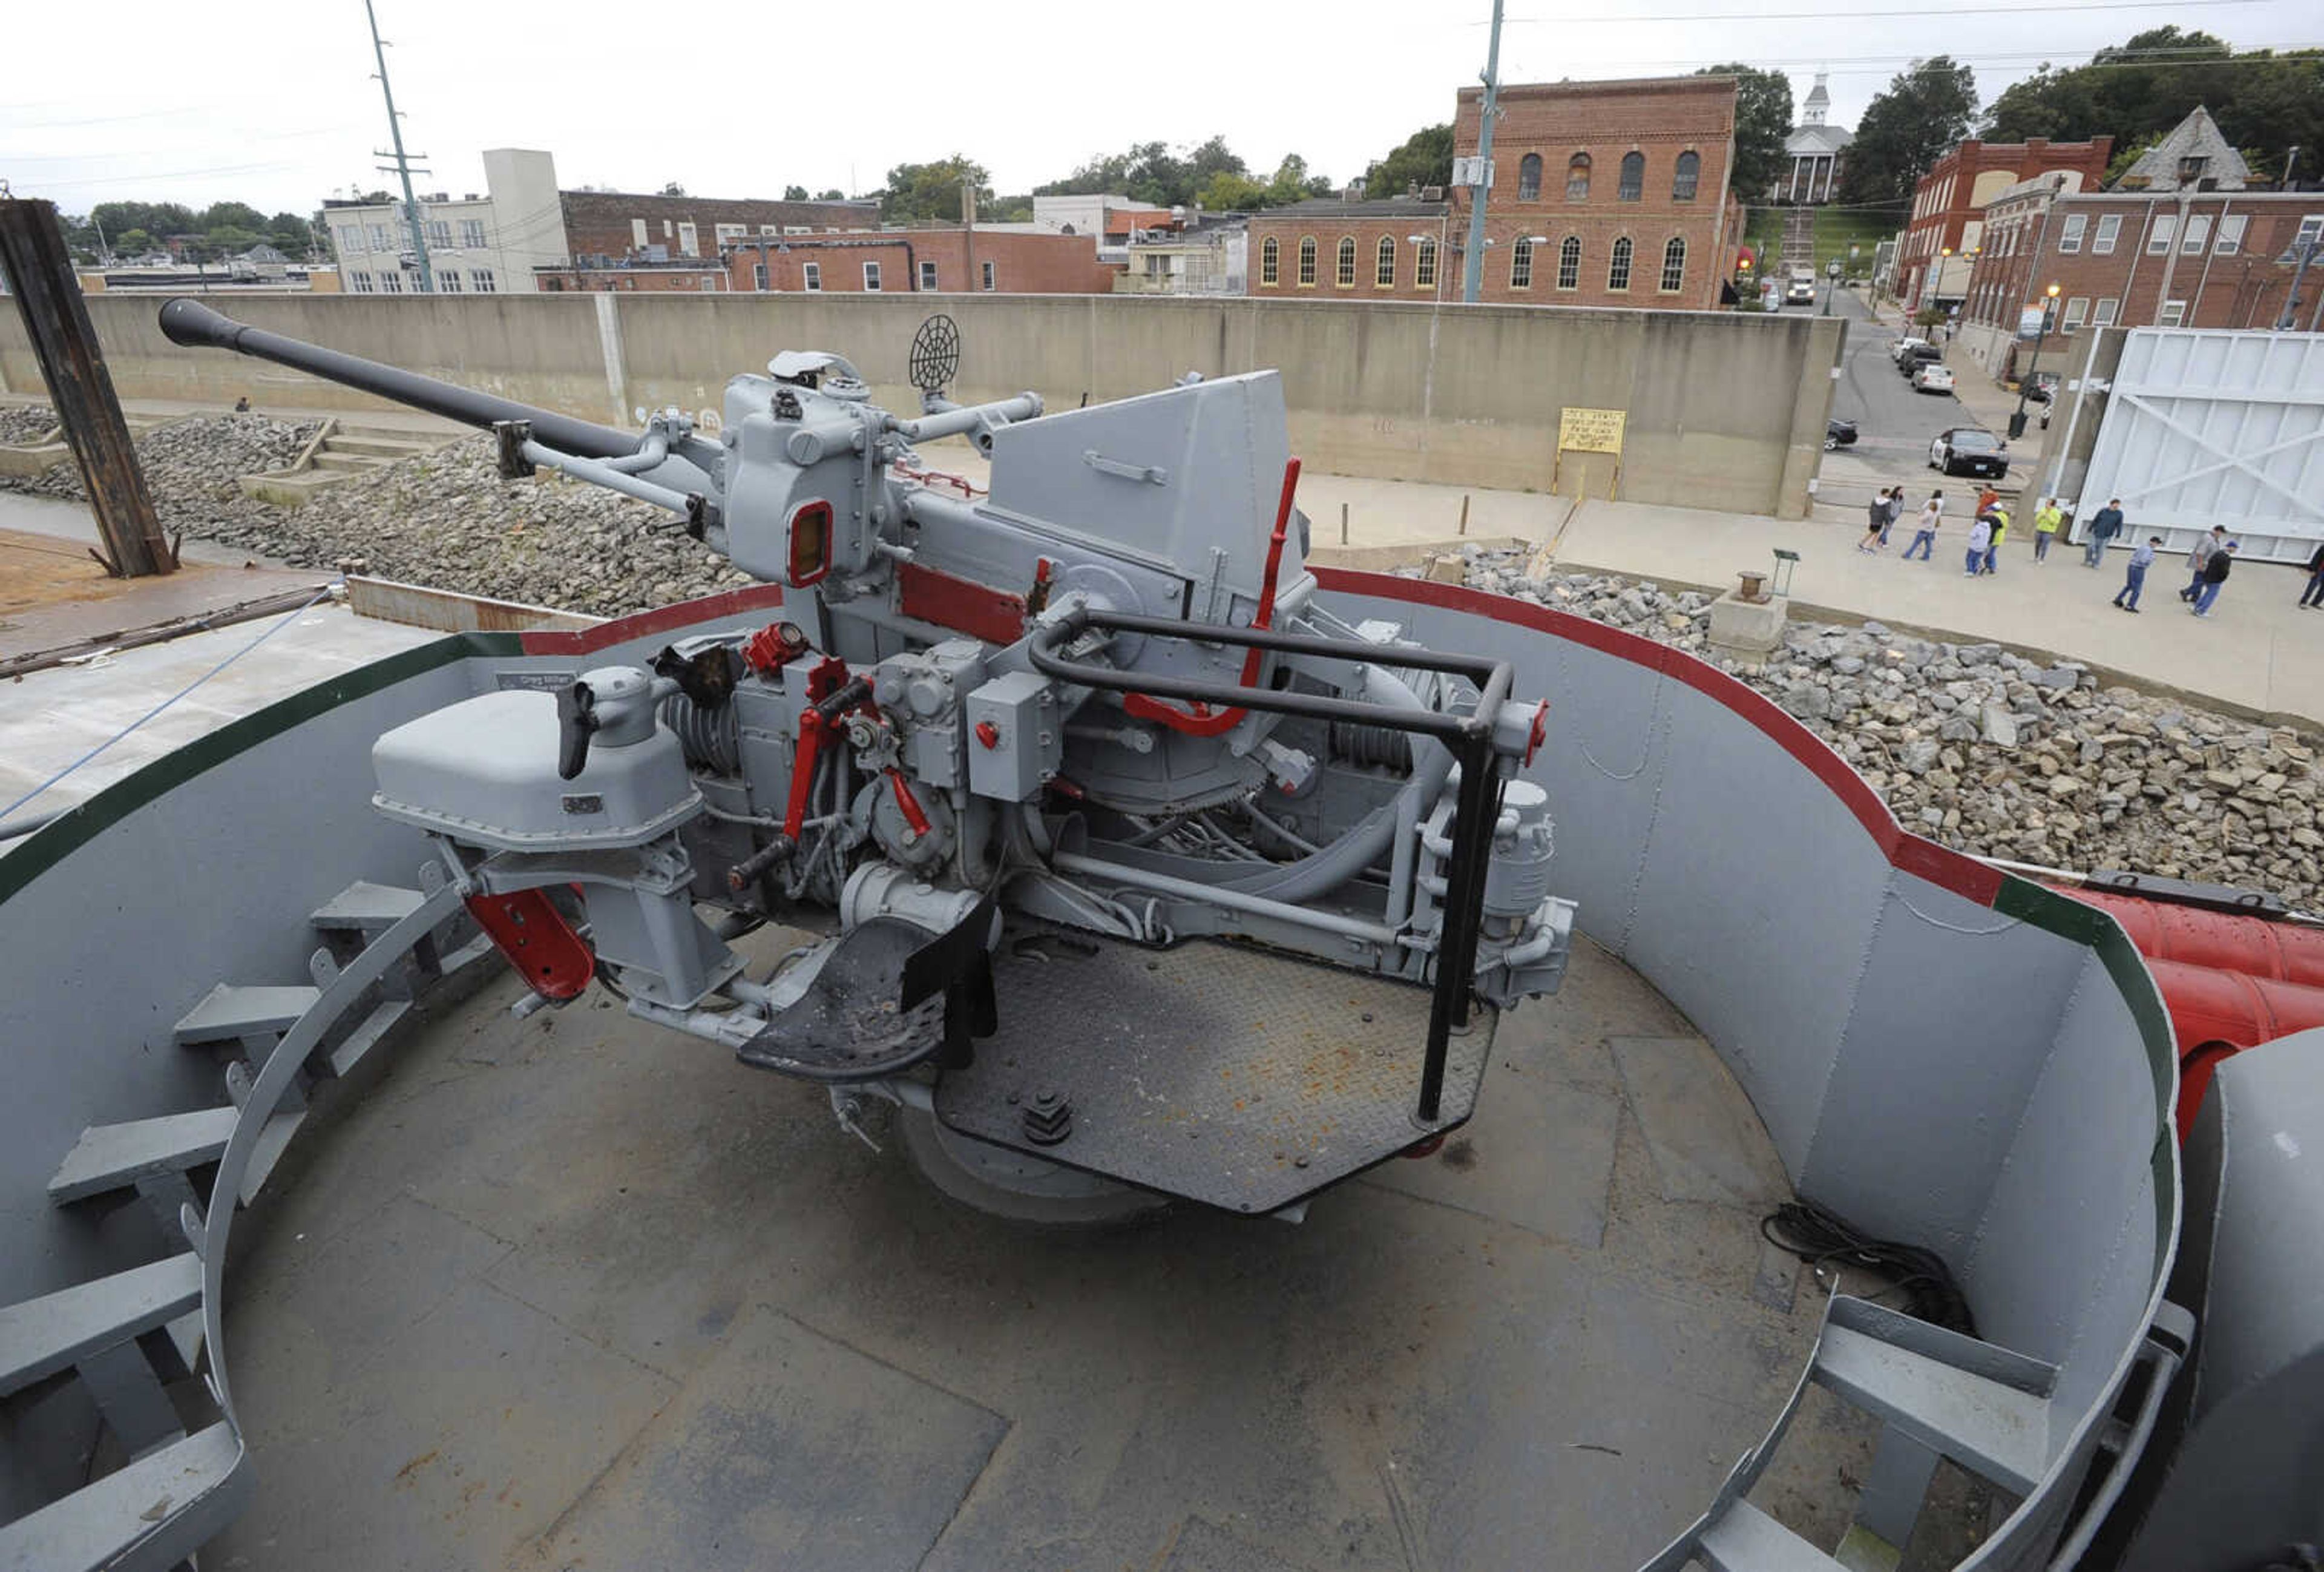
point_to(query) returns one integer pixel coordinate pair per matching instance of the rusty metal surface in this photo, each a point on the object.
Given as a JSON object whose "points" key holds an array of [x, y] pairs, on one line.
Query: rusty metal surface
{"points": [[1234, 1075], [48, 297], [451, 611]]}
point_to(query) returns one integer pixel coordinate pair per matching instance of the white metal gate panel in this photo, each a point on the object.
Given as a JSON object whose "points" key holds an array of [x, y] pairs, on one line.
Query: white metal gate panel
{"points": [[2207, 428]]}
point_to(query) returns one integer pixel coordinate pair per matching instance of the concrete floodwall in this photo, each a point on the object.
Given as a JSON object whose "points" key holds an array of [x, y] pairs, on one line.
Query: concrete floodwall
{"points": [[1723, 410]]}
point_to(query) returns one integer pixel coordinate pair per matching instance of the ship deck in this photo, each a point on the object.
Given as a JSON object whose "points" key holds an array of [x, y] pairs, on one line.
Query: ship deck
{"points": [[569, 1291]]}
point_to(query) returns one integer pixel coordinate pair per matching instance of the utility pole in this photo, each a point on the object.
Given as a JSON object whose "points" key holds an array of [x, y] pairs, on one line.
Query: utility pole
{"points": [[1472, 272], [402, 165], [39, 270]]}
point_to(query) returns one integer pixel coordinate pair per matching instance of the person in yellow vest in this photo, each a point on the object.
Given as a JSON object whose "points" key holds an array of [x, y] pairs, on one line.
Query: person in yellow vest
{"points": [[1999, 519], [2046, 522]]}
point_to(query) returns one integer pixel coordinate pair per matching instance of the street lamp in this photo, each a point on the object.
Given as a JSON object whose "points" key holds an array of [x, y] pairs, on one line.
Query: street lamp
{"points": [[2025, 382]]}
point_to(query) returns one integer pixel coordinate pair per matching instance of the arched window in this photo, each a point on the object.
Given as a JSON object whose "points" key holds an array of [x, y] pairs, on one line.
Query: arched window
{"points": [[1347, 262], [1521, 265], [1617, 271], [1384, 268], [1307, 262], [1577, 179], [1569, 262], [1674, 266], [1270, 261], [1529, 178], [1689, 176], [1634, 178], [1424, 269]]}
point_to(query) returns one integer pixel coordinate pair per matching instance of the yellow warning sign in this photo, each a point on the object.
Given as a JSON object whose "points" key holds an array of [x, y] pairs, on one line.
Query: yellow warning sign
{"points": [[1591, 431]]}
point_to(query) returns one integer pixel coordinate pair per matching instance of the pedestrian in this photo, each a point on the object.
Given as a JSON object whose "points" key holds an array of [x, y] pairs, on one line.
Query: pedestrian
{"points": [[1980, 539], [2000, 520], [2105, 526], [2127, 597], [1878, 523], [2046, 519], [1924, 533], [2314, 594], [2199, 558], [1895, 512], [1986, 500], [2214, 574]]}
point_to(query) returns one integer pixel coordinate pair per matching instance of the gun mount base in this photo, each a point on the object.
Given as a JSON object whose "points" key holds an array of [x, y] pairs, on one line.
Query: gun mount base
{"points": [[1229, 1075]]}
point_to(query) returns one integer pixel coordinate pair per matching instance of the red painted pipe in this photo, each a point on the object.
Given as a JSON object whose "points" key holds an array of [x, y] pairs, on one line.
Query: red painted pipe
{"points": [[2218, 1014], [2285, 952], [2230, 982]]}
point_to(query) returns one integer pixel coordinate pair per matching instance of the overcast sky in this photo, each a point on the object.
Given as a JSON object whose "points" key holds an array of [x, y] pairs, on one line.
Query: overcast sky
{"points": [[273, 102]]}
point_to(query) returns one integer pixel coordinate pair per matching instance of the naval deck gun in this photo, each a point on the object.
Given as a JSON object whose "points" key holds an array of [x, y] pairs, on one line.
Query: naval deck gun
{"points": [[1099, 811]]}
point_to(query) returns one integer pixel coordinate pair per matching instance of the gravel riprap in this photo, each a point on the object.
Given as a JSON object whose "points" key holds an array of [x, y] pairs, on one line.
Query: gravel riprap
{"points": [[193, 468], [1992, 753], [22, 424]]}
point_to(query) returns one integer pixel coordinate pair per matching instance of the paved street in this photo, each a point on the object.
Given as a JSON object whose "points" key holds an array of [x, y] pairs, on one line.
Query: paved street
{"points": [[1895, 424]]}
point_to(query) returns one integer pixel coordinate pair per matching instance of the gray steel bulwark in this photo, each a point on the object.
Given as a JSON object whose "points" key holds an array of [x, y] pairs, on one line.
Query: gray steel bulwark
{"points": [[1712, 843]]}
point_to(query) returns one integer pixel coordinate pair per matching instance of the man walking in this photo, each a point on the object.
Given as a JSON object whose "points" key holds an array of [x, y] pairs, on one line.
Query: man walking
{"points": [[2215, 575], [2105, 526], [2199, 558], [1895, 512], [1924, 533], [2127, 597], [1999, 519], [2314, 594], [1980, 539], [1877, 518], [2046, 519]]}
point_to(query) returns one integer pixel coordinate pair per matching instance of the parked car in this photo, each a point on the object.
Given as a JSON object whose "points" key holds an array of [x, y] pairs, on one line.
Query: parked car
{"points": [[1919, 356], [1933, 377], [1969, 450], [1838, 434], [1897, 349]]}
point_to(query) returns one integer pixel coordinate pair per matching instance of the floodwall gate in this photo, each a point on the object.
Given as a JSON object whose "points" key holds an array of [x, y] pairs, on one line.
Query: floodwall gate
{"points": [[2204, 428]]}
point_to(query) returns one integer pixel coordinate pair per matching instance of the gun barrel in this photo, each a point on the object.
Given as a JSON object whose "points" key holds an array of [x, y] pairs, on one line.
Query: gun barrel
{"points": [[189, 323]]}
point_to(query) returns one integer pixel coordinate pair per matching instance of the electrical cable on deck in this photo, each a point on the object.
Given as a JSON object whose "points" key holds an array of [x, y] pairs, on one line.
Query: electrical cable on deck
{"points": [[1820, 1237]]}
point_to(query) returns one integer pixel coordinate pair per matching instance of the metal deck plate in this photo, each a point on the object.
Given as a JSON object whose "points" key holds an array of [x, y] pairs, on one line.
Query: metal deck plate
{"points": [[1227, 1074]]}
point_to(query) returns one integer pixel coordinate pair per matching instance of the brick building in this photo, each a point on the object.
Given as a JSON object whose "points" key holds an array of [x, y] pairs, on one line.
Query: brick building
{"points": [[1605, 194], [954, 259], [1391, 250], [661, 278], [616, 225], [1948, 210], [2179, 242]]}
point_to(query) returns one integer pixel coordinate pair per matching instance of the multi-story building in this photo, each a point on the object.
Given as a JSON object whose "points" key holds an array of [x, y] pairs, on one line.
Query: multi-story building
{"points": [[1209, 256], [1946, 231], [2180, 241], [1605, 194], [476, 244], [952, 258], [1813, 149], [1330, 248], [503, 240]]}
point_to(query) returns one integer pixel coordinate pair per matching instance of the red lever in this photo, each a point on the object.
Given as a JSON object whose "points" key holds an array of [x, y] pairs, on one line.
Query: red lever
{"points": [[988, 734], [906, 803]]}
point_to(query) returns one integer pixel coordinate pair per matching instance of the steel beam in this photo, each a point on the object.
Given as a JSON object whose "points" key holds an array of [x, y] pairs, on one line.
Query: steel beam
{"points": [[40, 273]]}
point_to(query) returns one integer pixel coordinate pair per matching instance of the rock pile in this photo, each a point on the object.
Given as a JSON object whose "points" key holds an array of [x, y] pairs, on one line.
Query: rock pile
{"points": [[193, 468], [1980, 748], [448, 519], [21, 424]]}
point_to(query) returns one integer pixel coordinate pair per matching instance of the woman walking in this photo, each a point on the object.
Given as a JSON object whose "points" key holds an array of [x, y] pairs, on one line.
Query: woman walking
{"points": [[1876, 525], [1924, 533]]}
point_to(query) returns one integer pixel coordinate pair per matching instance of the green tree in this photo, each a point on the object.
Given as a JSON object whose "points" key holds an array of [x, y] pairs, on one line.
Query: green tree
{"points": [[290, 235], [1422, 158], [133, 243], [795, 193], [1233, 193], [673, 189], [833, 195], [231, 215], [1007, 210], [1926, 109], [2136, 91], [1152, 172], [1763, 118], [1292, 183], [920, 192]]}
